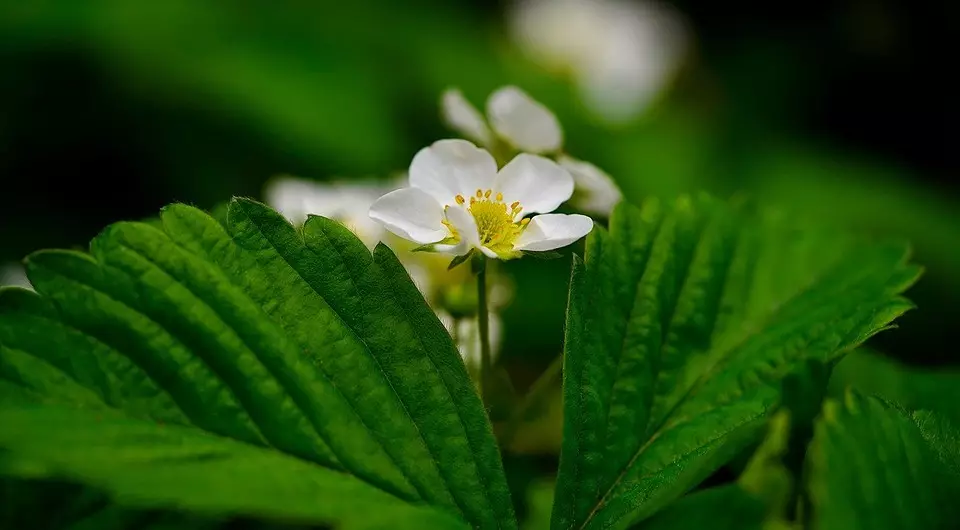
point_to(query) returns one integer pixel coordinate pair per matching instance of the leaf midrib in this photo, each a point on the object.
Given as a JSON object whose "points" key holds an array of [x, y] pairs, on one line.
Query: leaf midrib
{"points": [[369, 352], [663, 426], [74, 279], [279, 381], [149, 373]]}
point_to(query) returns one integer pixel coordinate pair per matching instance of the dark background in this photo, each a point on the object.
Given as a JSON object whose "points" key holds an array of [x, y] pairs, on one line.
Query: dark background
{"points": [[843, 112]]}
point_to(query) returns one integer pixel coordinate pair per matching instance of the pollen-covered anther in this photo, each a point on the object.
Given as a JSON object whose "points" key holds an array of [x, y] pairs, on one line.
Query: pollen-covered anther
{"points": [[497, 221], [460, 200]]}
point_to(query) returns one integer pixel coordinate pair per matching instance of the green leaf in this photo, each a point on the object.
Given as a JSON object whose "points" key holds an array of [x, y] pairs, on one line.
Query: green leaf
{"points": [[758, 500], [143, 463], [681, 322], [912, 387], [298, 342], [872, 466], [726, 507]]}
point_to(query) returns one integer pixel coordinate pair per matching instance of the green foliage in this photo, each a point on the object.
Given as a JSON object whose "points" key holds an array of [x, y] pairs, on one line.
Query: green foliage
{"points": [[912, 387], [875, 466], [756, 501], [259, 350], [198, 371], [681, 322]]}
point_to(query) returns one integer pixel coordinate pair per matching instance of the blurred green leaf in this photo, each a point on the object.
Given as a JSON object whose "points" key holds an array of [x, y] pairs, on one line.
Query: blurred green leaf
{"points": [[872, 373], [871, 468], [681, 323]]}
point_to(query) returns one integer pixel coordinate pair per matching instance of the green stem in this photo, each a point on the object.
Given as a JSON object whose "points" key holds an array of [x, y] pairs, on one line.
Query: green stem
{"points": [[535, 395], [483, 319]]}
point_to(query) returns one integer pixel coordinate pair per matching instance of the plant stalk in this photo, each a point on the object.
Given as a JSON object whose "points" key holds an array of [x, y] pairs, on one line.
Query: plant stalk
{"points": [[483, 319]]}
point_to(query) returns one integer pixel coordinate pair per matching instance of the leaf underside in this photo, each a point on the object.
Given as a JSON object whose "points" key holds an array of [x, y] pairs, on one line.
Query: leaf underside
{"points": [[245, 349], [682, 320]]}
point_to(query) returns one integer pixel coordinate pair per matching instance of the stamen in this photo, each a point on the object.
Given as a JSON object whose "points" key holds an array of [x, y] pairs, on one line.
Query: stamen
{"points": [[525, 221], [498, 224]]}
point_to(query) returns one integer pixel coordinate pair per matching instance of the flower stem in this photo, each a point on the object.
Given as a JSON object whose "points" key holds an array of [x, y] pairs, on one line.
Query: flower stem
{"points": [[483, 319]]}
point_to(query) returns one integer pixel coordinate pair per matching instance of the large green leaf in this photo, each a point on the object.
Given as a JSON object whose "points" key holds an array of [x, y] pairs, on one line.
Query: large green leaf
{"points": [[298, 342], [873, 466], [681, 322], [143, 463]]}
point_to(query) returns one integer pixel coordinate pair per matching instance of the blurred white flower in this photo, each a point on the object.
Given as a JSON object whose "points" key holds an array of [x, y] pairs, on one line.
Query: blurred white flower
{"points": [[467, 335], [621, 53], [347, 202], [14, 275], [516, 118], [458, 201], [530, 126], [594, 191], [350, 203]]}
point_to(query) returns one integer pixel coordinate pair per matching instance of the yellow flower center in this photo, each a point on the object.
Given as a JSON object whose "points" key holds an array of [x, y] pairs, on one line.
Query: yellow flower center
{"points": [[495, 221]]}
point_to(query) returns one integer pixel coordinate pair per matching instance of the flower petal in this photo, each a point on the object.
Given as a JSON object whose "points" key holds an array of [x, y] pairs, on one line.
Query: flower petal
{"points": [[296, 198], [555, 230], [523, 122], [466, 228], [538, 183], [463, 117], [451, 167], [594, 190], [412, 214]]}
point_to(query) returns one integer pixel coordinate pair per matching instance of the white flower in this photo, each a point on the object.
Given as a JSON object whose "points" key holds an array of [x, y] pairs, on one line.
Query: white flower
{"points": [[533, 128], [347, 202], [517, 119], [621, 53], [12, 274], [595, 191], [458, 201]]}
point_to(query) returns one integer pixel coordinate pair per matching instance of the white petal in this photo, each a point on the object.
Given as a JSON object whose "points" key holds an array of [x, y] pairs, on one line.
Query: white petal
{"points": [[489, 253], [539, 183], [412, 214], [13, 274], [523, 122], [594, 190], [643, 45], [555, 230], [463, 117], [297, 198], [451, 167], [346, 201], [466, 228]]}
